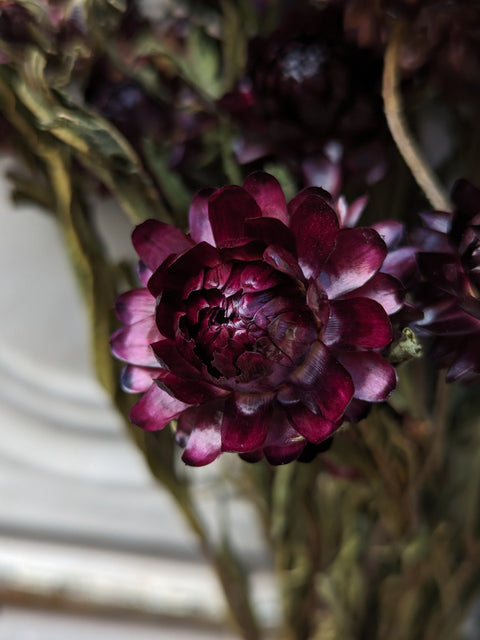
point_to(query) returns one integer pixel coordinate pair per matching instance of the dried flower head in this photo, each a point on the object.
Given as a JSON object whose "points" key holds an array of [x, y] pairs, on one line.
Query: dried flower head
{"points": [[262, 330], [449, 263]]}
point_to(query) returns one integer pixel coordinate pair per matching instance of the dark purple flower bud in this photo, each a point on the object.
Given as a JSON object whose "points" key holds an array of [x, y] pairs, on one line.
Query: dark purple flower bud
{"points": [[304, 86], [449, 294], [262, 330]]}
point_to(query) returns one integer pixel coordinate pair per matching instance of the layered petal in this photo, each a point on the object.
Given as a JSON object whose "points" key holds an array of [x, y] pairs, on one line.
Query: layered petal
{"points": [[156, 409], [323, 384], [228, 208], [198, 220], [359, 322], [154, 241], [268, 194], [315, 226], [357, 256], [245, 421], [374, 378]]}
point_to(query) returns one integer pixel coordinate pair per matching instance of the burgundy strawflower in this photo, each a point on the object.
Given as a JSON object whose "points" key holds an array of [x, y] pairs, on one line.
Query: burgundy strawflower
{"points": [[262, 330], [449, 263]]}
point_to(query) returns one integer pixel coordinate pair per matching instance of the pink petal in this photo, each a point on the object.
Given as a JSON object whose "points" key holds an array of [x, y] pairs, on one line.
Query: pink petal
{"points": [[357, 256], [228, 208], [374, 378], [282, 260], [245, 423], [401, 264], [156, 409], [283, 443], [135, 379], [354, 211], [188, 391], [314, 428], [204, 442], [390, 231], [384, 289], [315, 226], [132, 343], [198, 220], [271, 231], [154, 241], [135, 305], [268, 194], [359, 321], [437, 220], [323, 384]]}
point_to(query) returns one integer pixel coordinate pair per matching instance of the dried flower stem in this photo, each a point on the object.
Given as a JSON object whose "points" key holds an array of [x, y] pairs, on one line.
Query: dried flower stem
{"points": [[406, 145]]}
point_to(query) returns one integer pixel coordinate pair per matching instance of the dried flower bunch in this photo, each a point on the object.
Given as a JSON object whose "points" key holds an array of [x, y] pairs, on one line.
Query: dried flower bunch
{"points": [[264, 320]]}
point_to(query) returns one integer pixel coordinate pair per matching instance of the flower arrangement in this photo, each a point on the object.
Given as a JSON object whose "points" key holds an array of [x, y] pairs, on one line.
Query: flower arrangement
{"points": [[307, 294]]}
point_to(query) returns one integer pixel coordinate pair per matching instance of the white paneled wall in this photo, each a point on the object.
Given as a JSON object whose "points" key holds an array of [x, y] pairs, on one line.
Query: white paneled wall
{"points": [[79, 514]]}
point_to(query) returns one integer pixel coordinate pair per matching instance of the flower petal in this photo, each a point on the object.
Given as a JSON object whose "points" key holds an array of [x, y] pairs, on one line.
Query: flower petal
{"points": [[283, 443], [135, 305], [132, 342], [268, 194], [135, 379], [198, 220], [245, 423], [156, 409], [315, 428], [188, 391], [228, 208], [384, 289], [154, 241], [204, 442], [390, 231], [315, 226], [271, 232], [359, 321], [323, 384], [357, 256], [374, 378]]}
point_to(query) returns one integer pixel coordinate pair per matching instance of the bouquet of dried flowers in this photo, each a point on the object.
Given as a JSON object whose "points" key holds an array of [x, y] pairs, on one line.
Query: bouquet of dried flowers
{"points": [[307, 294]]}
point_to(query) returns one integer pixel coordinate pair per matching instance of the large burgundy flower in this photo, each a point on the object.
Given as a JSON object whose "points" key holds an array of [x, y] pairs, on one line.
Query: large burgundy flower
{"points": [[262, 330], [449, 263]]}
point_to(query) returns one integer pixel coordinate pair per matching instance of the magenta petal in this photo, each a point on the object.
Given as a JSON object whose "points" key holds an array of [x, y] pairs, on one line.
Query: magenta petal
{"points": [[135, 379], [305, 194], [440, 221], [188, 391], [374, 378], [282, 260], [198, 220], [357, 256], [204, 442], [132, 343], [169, 358], [271, 231], [390, 231], [268, 194], [384, 289], [156, 409], [135, 305], [228, 208], [283, 443], [245, 423], [315, 226], [358, 321], [314, 428], [401, 264], [154, 241], [323, 383]]}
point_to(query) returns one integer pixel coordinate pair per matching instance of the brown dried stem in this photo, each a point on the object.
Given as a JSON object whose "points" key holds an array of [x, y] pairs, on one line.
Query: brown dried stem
{"points": [[404, 140]]}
